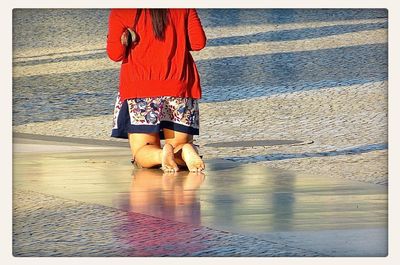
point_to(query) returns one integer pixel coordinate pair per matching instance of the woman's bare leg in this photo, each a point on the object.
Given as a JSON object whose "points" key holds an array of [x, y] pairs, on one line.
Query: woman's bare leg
{"points": [[147, 152]]}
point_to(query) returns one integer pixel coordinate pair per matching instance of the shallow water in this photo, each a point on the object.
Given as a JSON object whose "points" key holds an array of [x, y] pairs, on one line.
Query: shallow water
{"points": [[315, 213], [91, 93]]}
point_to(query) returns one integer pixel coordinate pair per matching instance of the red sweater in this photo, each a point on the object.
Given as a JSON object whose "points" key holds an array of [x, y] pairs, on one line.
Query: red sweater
{"points": [[153, 67]]}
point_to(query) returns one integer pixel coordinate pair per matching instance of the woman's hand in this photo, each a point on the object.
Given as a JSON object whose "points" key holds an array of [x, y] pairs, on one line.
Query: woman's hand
{"points": [[129, 36], [124, 38]]}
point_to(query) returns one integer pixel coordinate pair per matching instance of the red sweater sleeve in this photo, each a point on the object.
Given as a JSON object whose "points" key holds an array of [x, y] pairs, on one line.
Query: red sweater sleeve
{"points": [[115, 49], [197, 37]]}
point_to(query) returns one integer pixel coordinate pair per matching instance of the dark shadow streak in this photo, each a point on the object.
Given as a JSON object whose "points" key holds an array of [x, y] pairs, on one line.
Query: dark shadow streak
{"points": [[276, 157], [76, 58], [235, 17], [295, 34], [59, 53]]}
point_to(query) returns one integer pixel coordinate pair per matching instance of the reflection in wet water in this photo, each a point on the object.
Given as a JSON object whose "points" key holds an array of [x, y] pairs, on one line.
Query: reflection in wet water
{"points": [[238, 197], [250, 198], [172, 213], [170, 196], [225, 203], [283, 201], [167, 196]]}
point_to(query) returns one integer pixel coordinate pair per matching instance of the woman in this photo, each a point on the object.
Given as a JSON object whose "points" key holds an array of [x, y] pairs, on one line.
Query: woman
{"points": [[159, 84]]}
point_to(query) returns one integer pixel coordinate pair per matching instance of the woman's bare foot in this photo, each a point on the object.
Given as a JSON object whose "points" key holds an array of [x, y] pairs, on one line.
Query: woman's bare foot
{"points": [[167, 160], [192, 159]]}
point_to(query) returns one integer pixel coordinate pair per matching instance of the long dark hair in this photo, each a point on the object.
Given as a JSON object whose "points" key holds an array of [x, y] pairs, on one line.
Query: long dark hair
{"points": [[159, 19]]}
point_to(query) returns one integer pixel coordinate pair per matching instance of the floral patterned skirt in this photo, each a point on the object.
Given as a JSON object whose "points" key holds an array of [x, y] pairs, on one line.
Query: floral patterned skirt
{"points": [[153, 114]]}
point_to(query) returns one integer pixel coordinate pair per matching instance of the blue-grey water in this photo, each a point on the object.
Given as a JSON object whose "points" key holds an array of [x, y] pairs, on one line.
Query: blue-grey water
{"points": [[92, 93]]}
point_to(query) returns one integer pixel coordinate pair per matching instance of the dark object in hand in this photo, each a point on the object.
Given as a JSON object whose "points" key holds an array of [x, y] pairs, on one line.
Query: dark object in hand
{"points": [[128, 38], [132, 37]]}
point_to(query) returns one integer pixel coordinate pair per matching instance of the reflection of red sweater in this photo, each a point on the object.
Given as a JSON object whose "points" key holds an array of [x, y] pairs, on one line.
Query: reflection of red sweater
{"points": [[153, 67]]}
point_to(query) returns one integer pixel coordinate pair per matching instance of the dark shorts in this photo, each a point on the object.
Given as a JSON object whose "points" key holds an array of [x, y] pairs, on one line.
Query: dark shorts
{"points": [[153, 114]]}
